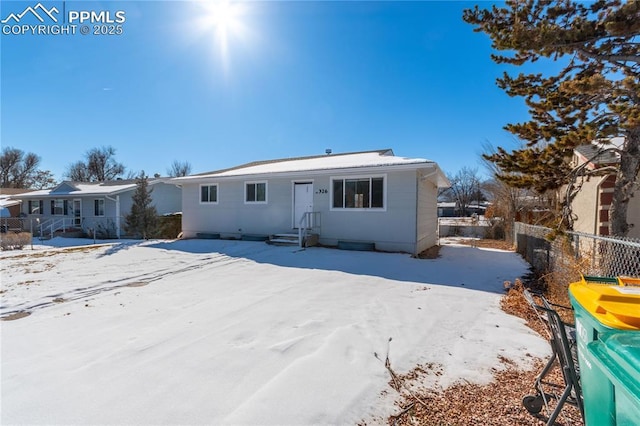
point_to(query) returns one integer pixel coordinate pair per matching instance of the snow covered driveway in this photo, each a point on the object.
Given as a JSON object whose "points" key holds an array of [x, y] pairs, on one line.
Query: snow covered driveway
{"points": [[224, 332]]}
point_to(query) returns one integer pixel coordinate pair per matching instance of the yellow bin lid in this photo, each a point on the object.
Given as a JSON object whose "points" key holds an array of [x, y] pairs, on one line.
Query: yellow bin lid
{"points": [[615, 306]]}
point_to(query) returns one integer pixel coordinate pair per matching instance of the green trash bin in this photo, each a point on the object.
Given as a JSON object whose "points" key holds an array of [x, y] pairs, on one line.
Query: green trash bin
{"points": [[608, 337]]}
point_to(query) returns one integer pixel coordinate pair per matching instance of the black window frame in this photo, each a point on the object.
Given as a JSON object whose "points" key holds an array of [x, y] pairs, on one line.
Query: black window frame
{"points": [[39, 208], [96, 205], [65, 207]]}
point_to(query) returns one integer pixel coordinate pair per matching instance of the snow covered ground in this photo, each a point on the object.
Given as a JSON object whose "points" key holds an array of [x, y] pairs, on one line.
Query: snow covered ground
{"points": [[232, 332]]}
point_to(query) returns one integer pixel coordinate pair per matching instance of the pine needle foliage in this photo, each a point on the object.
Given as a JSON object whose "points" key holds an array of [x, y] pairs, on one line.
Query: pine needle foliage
{"points": [[142, 222], [594, 97]]}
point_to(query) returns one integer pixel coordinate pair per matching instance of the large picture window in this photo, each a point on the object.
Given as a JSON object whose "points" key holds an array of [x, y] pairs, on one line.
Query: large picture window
{"points": [[255, 192], [98, 207], [358, 193], [208, 193]]}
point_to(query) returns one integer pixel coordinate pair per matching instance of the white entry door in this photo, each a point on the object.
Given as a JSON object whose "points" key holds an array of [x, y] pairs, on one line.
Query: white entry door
{"points": [[302, 202]]}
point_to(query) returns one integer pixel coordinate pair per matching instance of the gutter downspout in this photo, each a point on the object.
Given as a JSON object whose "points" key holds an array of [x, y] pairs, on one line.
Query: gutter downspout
{"points": [[117, 200]]}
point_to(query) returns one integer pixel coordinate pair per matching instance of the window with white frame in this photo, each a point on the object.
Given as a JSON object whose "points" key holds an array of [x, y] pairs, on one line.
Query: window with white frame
{"points": [[98, 207], [255, 192], [358, 193], [209, 193], [59, 207], [35, 207]]}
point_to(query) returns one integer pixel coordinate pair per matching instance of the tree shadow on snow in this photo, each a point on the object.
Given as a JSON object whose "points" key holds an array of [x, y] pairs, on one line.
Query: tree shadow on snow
{"points": [[120, 246]]}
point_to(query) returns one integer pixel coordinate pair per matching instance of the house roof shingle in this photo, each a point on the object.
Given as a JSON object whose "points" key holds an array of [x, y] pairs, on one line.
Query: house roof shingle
{"points": [[598, 155]]}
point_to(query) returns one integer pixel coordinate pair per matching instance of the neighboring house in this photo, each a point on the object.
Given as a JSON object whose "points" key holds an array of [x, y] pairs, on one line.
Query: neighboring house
{"points": [[448, 209], [95, 206], [9, 202], [452, 209], [362, 197], [591, 205]]}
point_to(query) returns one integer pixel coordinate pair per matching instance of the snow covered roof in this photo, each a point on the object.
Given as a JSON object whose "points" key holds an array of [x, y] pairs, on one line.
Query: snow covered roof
{"points": [[8, 196], [367, 159], [69, 188], [8, 201]]}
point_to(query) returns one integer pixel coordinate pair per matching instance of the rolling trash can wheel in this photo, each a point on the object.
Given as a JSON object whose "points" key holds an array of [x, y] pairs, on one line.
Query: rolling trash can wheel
{"points": [[533, 403]]}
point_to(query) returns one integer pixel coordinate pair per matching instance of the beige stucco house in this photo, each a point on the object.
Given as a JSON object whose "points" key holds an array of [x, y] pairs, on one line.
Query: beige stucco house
{"points": [[591, 205]]}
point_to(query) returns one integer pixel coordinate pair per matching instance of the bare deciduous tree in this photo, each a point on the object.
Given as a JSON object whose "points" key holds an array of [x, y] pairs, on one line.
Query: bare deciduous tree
{"points": [[100, 165], [20, 170], [179, 168], [465, 188]]}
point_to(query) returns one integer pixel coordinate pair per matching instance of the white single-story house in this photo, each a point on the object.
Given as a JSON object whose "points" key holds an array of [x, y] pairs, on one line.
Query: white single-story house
{"points": [[371, 197], [94, 206]]}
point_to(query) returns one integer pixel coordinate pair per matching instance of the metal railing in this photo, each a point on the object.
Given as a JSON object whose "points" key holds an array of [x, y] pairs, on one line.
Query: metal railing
{"points": [[308, 221], [591, 254], [50, 226]]}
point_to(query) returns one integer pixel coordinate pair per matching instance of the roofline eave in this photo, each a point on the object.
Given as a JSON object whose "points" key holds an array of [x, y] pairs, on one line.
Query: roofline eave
{"points": [[307, 173]]}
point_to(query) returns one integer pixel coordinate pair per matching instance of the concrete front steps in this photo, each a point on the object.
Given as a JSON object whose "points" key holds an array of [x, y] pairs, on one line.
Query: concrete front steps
{"points": [[292, 240]]}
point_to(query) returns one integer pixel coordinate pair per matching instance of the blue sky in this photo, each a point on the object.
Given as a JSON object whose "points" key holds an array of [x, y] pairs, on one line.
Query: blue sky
{"points": [[292, 79]]}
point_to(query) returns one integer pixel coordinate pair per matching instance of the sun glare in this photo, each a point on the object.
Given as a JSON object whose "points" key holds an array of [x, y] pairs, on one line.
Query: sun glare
{"points": [[223, 21]]}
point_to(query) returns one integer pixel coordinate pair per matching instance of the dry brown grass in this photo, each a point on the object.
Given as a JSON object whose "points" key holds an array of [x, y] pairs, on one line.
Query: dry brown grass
{"points": [[488, 243], [14, 241], [430, 253]]}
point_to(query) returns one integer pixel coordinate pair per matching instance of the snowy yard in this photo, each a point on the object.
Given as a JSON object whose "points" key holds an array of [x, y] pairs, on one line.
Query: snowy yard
{"points": [[229, 332]]}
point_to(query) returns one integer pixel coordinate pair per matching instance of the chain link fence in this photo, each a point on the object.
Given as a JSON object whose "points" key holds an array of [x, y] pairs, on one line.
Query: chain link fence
{"points": [[576, 253]]}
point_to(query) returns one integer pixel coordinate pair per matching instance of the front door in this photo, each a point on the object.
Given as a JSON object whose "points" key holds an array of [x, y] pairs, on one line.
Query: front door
{"points": [[302, 202], [77, 213]]}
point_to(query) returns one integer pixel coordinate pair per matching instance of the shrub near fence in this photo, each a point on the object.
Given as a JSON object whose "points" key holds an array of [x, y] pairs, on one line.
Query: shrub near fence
{"points": [[584, 253], [170, 226], [14, 240]]}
